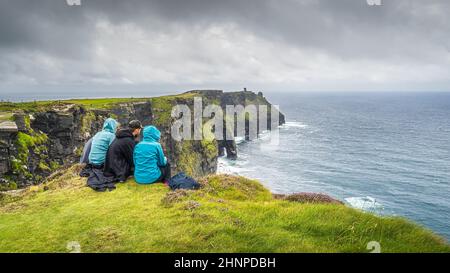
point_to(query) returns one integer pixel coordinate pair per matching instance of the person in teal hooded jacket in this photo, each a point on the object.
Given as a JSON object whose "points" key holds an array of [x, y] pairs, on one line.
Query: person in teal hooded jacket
{"points": [[101, 142], [150, 164]]}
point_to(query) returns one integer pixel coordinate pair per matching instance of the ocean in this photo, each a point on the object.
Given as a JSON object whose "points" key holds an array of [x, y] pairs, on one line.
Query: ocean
{"points": [[384, 153]]}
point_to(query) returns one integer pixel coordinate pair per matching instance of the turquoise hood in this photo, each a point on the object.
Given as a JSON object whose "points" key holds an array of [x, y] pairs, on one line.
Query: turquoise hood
{"points": [[148, 157], [101, 142], [151, 134], [110, 125]]}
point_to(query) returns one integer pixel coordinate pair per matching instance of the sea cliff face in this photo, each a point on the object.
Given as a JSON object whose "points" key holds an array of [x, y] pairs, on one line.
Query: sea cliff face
{"points": [[40, 137]]}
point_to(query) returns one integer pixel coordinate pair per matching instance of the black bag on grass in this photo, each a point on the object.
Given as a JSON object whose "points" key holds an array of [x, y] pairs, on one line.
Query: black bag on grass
{"points": [[182, 181]]}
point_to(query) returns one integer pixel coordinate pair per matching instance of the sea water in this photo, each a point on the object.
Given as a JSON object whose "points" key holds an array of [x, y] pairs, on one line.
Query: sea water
{"points": [[386, 153]]}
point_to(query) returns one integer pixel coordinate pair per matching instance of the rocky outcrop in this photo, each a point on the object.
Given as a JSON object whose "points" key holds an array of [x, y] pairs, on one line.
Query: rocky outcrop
{"points": [[308, 197], [8, 132], [244, 98], [39, 141]]}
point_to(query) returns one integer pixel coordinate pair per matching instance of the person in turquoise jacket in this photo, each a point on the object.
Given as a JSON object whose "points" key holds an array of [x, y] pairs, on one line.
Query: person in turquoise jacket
{"points": [[101, 142], [150, 164]]}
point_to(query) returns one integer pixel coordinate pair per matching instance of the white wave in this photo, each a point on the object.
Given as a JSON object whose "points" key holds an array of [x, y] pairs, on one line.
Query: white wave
{"points": [[293, 124], [239, 139], [264, 135], [227, 166], [365, 203]]}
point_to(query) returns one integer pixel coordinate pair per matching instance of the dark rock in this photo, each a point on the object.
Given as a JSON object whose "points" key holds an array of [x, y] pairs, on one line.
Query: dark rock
{"points": [[19, 119], [8, 131], [229, 146]]}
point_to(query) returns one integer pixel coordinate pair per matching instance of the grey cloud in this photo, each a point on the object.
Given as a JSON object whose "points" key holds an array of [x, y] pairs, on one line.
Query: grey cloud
{"points": [[410, 33], [349, 28]]}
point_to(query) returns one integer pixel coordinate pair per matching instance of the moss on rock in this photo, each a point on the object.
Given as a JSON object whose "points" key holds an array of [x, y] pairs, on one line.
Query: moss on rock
{"points": [[8, 186], [27, 144]]}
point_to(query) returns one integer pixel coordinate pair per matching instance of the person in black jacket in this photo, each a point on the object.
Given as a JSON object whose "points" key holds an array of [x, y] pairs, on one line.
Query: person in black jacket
{"points": [[119, 158]]}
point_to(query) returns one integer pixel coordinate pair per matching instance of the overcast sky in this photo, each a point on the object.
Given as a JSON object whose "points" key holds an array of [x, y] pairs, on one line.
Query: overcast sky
{"points": [[269, 45]]}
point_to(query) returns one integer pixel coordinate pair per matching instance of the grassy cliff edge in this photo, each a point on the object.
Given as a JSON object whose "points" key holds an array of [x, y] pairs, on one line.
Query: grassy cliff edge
{"points": [[228, 214]]}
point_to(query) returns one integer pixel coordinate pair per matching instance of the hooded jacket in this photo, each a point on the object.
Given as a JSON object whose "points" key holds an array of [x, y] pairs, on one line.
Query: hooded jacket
{"points": [[119, 158], [101, 142], [148, 157]]}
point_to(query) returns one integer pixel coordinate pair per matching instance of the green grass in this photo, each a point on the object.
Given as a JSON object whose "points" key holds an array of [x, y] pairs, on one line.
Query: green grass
{"points": [[104, 103], [35, 106], [229, 214], [28, 106], [101, 103], [5, 116], [162, 107]]}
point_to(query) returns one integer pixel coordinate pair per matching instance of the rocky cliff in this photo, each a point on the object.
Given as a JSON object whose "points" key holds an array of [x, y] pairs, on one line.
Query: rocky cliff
{"points": [[40, 137]]}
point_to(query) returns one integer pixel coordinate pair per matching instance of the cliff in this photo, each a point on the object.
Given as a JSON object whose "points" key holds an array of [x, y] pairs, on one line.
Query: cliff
{"points": [[37, 138]]}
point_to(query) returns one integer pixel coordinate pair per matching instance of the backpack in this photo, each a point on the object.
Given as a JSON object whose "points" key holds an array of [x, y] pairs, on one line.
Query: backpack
{"points": [[182, 181]]}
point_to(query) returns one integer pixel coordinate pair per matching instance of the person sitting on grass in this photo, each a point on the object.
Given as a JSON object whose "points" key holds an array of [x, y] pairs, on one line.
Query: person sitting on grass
{"points": [[119, 158], [150, 164], [84, 159], [101, 142]]}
